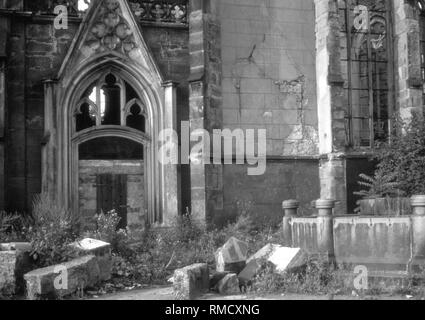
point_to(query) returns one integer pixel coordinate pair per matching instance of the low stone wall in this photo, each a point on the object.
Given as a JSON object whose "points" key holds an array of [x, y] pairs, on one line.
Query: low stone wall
{"points": [[304, 234], [14, 263], [381, 243]]}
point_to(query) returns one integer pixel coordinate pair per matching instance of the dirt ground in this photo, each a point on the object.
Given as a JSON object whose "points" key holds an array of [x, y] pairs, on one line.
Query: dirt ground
{"points": [[166, 293]]}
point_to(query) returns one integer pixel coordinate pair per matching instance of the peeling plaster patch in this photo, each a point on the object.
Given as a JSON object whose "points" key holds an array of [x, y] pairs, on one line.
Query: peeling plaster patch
{"points": [[303, 140], [292, 86]]}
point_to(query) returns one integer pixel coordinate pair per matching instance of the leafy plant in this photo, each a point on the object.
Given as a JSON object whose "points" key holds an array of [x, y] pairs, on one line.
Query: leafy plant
{"points": [[107, 230], [316, 277], [12, 227], [404, 156], [54, 228], [380, 185]]}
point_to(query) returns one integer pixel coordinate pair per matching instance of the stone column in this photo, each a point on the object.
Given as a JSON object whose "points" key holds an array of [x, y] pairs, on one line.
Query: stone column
{"points": [[408, 58], [4, 32], [418, 230], [48, 167], [2, 131], [290, 208], [331, 109], [205, 105], [171, 198], [325, 237]]}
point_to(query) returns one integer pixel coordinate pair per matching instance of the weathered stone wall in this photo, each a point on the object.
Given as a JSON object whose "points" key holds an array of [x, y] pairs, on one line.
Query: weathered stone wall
{"points": [[269, 75], [205, 104], [269, 82], [262, 196], [36, 51], [407, 55], [88, 171]]}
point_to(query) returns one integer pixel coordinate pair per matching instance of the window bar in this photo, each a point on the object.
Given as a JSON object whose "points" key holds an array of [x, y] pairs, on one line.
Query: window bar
{"points": [[349, 70], [370, 84], [390, 67]]}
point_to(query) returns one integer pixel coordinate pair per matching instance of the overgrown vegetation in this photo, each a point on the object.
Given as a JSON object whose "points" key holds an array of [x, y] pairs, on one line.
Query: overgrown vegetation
{"points": [[161, 251], [380, 185], [12, 227], [318, 277], [401, 161]]}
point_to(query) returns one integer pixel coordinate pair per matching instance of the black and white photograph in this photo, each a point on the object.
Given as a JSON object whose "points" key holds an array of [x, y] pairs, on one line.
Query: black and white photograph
{"points": [[212, 156]]}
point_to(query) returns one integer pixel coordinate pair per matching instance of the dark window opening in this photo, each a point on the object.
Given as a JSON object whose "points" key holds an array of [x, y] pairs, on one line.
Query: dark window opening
{"points": [[130, 93], [86, 118], [110, 105], [111, 148], [135, 119]]}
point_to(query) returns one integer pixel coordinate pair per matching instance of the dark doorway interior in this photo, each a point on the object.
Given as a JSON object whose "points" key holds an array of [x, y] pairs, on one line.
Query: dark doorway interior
{"points": [[112, 195]]}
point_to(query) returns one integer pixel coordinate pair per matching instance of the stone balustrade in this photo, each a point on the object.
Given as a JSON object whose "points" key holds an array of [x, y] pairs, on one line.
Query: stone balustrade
{"points": [[382, 241]]}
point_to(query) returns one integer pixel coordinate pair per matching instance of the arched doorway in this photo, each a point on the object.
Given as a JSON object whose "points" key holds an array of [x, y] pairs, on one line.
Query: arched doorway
{"points": [[110, 91], [109, 143]]}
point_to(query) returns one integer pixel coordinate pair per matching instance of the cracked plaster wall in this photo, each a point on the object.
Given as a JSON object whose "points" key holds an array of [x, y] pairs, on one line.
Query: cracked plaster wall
{"points": [[269, 82], [269, 75]]}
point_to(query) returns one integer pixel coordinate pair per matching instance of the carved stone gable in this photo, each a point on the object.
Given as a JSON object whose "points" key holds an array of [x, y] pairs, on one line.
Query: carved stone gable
{"points": [[110, 31]]}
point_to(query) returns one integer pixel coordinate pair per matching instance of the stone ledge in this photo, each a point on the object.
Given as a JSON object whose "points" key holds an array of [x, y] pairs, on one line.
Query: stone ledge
{"points": [[191, 282], [71, 276]]}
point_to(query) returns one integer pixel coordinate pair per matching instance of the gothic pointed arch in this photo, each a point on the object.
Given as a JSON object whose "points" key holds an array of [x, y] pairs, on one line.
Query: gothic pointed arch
{"points": [[109, 53]]}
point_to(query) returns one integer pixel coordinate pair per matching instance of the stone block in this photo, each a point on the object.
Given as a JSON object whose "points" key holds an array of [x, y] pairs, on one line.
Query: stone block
{"points": [[283, 258], [192, 281], [249, 272], [14, 263], [287, 259], [102, 251], [63, 280], [232, 256], [216, 278], [229, 285]]}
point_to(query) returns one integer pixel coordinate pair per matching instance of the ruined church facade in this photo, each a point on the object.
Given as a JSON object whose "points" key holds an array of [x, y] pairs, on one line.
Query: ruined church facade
{"points": [[84, 98]]}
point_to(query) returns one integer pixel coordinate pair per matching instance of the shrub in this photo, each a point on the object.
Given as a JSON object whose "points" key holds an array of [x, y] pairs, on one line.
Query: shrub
{"points": [[317, 277], [54, 228], [107, 230], [404, 156], [163, 250], [381, 185], [12, 227]]}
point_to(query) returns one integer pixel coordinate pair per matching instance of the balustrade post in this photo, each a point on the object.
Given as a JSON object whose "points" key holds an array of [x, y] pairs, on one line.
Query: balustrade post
{"points": [[418, 231], [325, 237], [290, 209]]}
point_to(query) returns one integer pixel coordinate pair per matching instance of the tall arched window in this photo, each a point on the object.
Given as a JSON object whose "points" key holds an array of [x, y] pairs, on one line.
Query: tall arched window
{"points": [[366, 46], [110, 101], [420, 4]]}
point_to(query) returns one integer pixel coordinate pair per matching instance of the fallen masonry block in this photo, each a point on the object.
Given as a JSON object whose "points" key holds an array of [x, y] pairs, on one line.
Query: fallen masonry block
{"points": [[264, 252], [231, 257], [62, 280], [249, 272], [192, 281], [286, 259], [15, 261], [283, 258], [102, 251], [216, 278], [229, 285]]}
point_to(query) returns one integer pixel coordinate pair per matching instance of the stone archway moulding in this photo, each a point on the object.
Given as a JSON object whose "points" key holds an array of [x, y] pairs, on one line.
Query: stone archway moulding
{"points": [[60, 150]]}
